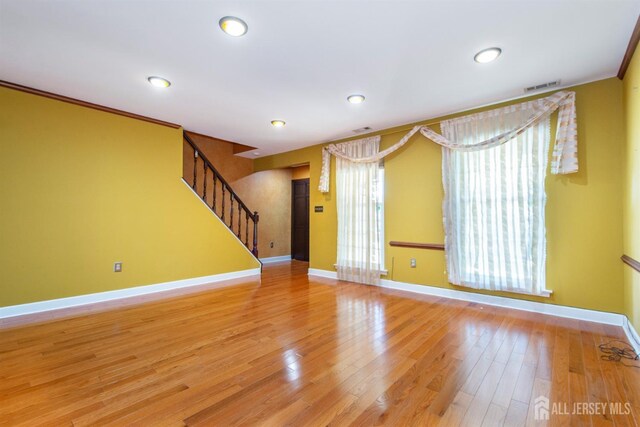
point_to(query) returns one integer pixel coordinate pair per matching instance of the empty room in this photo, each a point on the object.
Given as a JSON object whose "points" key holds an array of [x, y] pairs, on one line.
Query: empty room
{"points": [[320, 212]]}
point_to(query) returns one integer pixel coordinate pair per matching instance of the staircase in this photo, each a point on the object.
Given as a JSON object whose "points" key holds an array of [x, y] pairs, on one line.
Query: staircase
{"points": [[218, 195]]}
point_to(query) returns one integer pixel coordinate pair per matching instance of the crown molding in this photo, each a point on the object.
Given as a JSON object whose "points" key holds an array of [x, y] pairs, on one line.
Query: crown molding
{"points": [[86, 104]]}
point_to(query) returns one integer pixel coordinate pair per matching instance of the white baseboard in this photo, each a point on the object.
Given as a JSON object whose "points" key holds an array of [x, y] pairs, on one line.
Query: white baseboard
{"points": [[275, 259], [323, 273], [632, 335], [517, 304], [100, 297]]}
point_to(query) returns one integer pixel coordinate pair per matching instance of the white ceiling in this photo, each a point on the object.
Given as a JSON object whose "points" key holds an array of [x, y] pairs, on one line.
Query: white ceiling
{"points": [[300, 59]]}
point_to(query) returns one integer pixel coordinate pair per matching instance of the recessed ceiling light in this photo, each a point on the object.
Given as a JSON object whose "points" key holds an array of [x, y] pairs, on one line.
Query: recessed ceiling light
{"points": [[159, 81], [256, 153], [355, 99], [487, 55], [233, 26], [277, 123]]}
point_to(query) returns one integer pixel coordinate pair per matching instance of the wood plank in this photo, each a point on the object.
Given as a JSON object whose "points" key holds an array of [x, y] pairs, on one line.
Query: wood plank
{"points": [[482, 400], [495, 416], [289, 350], [516, 414], [435, 246], [456, 411], [633, 263]]}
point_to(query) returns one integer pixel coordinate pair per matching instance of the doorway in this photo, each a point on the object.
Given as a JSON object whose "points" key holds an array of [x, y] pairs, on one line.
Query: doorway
{"points": [[300, 219]]}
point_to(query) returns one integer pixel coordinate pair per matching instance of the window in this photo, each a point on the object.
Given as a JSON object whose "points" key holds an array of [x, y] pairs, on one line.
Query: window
{"points": [[494, 203], [360, 205]]}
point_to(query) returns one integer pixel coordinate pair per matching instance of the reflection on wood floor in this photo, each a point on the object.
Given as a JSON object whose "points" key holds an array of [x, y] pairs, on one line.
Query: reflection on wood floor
{"points": [[287, 350]]}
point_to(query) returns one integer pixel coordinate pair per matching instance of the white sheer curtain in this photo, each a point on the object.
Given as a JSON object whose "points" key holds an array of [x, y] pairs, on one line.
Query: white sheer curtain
{"points": [[494, 205], [358, 194]]}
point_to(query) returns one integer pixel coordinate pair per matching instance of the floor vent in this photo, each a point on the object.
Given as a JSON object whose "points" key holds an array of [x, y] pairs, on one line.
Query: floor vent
{"points": [[542, 86]]}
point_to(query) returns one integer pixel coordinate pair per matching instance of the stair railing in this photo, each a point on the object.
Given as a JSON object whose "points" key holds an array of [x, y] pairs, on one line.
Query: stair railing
{"points": [[218, 205]]}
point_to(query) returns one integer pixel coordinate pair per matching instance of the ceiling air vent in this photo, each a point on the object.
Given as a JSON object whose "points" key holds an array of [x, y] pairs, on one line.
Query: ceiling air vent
{"points": [[542, 86], [364, 129]]}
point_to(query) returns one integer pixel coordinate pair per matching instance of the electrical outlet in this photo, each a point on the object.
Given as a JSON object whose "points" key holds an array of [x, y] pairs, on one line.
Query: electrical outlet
{"points": [[117, 267], [271, 245], [412, 263]]}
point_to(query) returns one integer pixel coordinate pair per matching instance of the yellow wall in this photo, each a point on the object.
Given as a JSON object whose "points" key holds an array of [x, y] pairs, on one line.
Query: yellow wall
{"points": [[300, 172], [269, 193], [584, 222], [322, 226], [81, 189], [632, 188]]}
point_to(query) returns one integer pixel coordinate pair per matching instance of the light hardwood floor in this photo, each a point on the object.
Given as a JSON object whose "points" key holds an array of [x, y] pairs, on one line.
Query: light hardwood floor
{"points": [[290, 351]]}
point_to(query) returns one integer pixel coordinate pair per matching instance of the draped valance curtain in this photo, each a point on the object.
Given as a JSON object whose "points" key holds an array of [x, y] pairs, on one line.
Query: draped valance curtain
{"points": [[565, 150], [494, 192]]}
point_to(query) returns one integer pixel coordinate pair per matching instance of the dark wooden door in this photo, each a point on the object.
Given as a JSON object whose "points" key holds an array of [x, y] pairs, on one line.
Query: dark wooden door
{"points": [[300, 219]]}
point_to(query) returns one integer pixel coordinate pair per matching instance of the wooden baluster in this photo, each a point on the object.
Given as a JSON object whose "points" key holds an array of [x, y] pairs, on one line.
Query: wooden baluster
{"points": [[255, 217], [204, 193], [223, 203], [255, 234], [246, 228], [215, 181], [231, 211], [195, 170]]}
